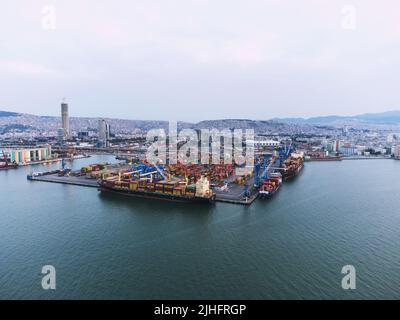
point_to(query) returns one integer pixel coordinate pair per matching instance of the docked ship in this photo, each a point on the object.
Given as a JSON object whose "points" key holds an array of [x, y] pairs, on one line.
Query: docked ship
{"points": [[176, 191], [6, 164], [271, 185], [328, 158], [293, 165]]}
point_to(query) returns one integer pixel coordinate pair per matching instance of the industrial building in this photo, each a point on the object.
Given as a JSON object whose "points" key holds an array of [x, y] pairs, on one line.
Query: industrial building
{"points": [[266, 143], [396, 151], [86, 135], [263, 143], [28, 155], [348, 150]]}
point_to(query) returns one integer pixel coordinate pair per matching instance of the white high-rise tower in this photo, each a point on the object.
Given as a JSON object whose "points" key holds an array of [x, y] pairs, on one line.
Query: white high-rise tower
{"points": [[104, 133]]}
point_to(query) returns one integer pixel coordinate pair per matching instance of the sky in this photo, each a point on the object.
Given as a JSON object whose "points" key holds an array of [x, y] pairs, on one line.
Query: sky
{"points": [[194, 60]]}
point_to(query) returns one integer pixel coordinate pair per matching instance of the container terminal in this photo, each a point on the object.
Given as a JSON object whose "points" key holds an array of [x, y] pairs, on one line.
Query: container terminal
{"points": [[185, 182]]}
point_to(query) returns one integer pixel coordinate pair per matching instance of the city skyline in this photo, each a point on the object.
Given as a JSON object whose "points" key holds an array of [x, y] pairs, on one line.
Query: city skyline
{"points": [[192, 61], [283, 117]]}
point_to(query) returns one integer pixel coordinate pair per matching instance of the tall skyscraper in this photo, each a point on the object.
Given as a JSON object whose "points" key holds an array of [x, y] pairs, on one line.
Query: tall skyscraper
{"points": [[104, 133], [65, 118]]}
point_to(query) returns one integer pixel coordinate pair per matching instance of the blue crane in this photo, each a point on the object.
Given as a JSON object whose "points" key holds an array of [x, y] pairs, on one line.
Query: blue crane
{"points": [[266, 167], [257, 169], [143, 168], [246, 190], [261, 170], [284, 153]]}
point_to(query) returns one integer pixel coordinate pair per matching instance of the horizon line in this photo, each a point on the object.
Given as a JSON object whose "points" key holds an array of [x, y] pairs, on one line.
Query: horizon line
{"points": [[215, 119]]}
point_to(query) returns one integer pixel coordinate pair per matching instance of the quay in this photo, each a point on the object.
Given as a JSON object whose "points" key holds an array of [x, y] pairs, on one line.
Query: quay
{"points": [[234, 194], [176, 182], [77, 181], [86, 177], [244, 201], [367, 158]]}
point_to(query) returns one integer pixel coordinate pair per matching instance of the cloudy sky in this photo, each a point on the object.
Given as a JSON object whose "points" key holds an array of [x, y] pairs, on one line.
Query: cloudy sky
{"points": [[200, 59]]}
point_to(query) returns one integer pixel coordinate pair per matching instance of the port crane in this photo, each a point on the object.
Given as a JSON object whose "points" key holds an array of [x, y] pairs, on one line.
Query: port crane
{"points": [[284, 153], [267, 166], [4, 156], [257, 169], [144, 170], [7, 164], [259, 175], [160, 172]]}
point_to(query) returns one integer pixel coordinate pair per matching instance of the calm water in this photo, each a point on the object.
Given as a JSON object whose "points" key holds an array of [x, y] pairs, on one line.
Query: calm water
{"points": [[292, 246]]}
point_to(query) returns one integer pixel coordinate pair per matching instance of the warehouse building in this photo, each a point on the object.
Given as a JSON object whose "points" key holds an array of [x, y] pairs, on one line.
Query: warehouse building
{"points": [[27, 155]]}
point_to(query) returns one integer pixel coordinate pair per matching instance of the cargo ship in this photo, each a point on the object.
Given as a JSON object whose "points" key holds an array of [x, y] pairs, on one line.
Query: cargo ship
{"points": [[8, 165], [293, 165], [271, 185], [175, 191]]}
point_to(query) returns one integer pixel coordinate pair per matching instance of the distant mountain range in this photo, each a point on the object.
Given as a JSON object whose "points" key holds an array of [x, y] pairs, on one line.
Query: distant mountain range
{"points": [[8, 114], [30, 125], [11, 122], [389, 117]]}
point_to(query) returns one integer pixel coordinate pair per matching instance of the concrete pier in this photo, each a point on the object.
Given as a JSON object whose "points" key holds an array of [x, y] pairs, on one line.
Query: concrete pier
{"points": [[77, 181]]}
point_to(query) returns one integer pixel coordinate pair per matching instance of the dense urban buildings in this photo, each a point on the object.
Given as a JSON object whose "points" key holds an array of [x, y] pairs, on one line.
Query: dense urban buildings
{"points": [[336, 139]]}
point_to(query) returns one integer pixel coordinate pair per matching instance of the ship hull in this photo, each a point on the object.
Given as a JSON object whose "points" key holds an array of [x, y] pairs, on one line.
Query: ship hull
{"points": [[267, 195], [326, 159], [156, 196], [8, 167], [288, 175]]}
